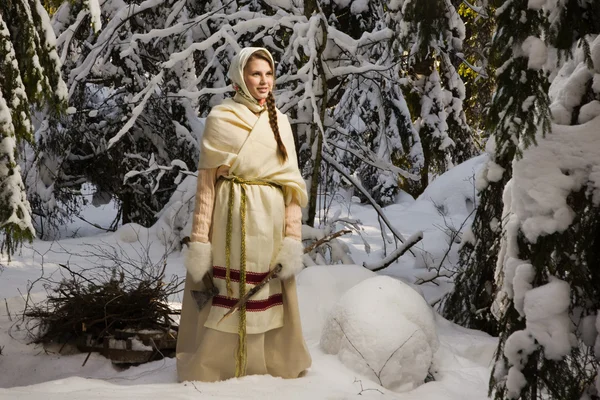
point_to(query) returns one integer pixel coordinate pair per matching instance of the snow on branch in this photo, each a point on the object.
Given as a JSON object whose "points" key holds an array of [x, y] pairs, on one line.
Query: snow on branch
{"points": [[393, 256], [365, 156], [357, 184], [147, 92]]}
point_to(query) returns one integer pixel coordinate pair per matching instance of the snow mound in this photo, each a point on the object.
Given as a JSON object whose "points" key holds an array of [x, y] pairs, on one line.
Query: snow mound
{"points": [[454, 191], [330, 282], [132, 232], [384, 330]]}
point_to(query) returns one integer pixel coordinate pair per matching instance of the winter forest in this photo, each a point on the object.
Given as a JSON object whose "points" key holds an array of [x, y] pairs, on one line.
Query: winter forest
{"points": [[451, 152]]}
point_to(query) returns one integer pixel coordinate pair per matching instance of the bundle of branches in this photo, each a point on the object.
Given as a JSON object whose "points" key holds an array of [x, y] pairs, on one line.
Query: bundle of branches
{"points": [[117, 293]]}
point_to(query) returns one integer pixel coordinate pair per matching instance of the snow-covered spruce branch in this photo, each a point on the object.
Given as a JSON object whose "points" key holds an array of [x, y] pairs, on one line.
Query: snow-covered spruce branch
{"points": [[368, 157], [243, 26], [386, 262], [178, 28], [64, 39], [478, 70]]}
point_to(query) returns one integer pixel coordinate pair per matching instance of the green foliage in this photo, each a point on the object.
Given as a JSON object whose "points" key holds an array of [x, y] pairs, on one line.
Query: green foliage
{"points": [[30, 73], [479, 84], [510, 124], [574, 257], [578, 19], [520, 104]]}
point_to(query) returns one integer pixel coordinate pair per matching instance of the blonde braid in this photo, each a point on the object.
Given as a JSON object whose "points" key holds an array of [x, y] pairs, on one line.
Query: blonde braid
{"points": [[283, 156]]}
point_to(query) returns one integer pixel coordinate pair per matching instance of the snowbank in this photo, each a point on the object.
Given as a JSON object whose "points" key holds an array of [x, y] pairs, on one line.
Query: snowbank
{"points": [[384, 330], [454, 191], [132, 233]]}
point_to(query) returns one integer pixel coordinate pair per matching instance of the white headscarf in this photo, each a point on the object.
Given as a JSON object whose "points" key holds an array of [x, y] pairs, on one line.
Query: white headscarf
{"points": [[236, 72]]}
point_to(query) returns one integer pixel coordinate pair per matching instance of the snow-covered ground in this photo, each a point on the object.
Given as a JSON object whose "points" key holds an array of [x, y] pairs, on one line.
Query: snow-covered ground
{"points": [[460, 359]]}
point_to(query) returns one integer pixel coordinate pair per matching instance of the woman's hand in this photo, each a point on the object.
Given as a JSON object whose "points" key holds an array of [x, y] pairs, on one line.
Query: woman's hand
{"points": [[198, 259], [290, 257]]}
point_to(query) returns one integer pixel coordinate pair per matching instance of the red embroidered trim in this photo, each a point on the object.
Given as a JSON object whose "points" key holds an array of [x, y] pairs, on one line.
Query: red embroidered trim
{"points": [[252, 278], [251, 305]]}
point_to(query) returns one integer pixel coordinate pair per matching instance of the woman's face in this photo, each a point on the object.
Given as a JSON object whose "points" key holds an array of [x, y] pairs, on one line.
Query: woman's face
{"points": [[258, 77]]}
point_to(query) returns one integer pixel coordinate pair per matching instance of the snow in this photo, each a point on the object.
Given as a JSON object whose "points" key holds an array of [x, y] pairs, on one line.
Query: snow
{"points": [[546, 310], [568, 88], [536, 51], [536, 4], [359, 6], [523, 277], [95, 14], [460, 366], [16, 210], [456, 199], [173, 221], [588, 330], [589, 111], [341, 3], [132, 233], [561, 163], [596, 83], [379, 328]]}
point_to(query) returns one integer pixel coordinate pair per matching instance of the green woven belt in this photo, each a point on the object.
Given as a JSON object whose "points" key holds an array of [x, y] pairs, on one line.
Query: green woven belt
{"points": [[242, 353]]}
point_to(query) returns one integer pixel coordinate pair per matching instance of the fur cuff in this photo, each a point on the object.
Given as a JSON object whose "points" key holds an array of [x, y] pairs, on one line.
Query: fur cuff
{"points": [[290, 257], [198, 259]]}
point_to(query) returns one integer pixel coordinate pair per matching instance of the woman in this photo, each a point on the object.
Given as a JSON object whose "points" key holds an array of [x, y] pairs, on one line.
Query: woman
{"points": [[247, 220]]}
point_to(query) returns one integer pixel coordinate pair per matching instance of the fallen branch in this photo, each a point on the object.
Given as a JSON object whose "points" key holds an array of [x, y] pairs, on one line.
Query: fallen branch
{"points": [[386, 262], [118, 292], [369, 198]]}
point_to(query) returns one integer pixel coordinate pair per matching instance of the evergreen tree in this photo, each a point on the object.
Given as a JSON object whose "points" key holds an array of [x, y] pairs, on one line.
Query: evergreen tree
{"points": [[548, 265], [30, 71], [431, 33], [519, 108]]}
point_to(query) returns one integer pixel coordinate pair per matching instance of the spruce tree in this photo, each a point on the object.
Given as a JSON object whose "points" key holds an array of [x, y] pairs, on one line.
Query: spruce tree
{"points": [[30, 71], [548, 265], [431, 34], [519, 108]]}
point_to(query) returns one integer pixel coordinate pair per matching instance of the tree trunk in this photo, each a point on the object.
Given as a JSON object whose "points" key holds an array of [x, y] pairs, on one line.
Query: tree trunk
{"points": [[316, 133], [126, 208]]}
